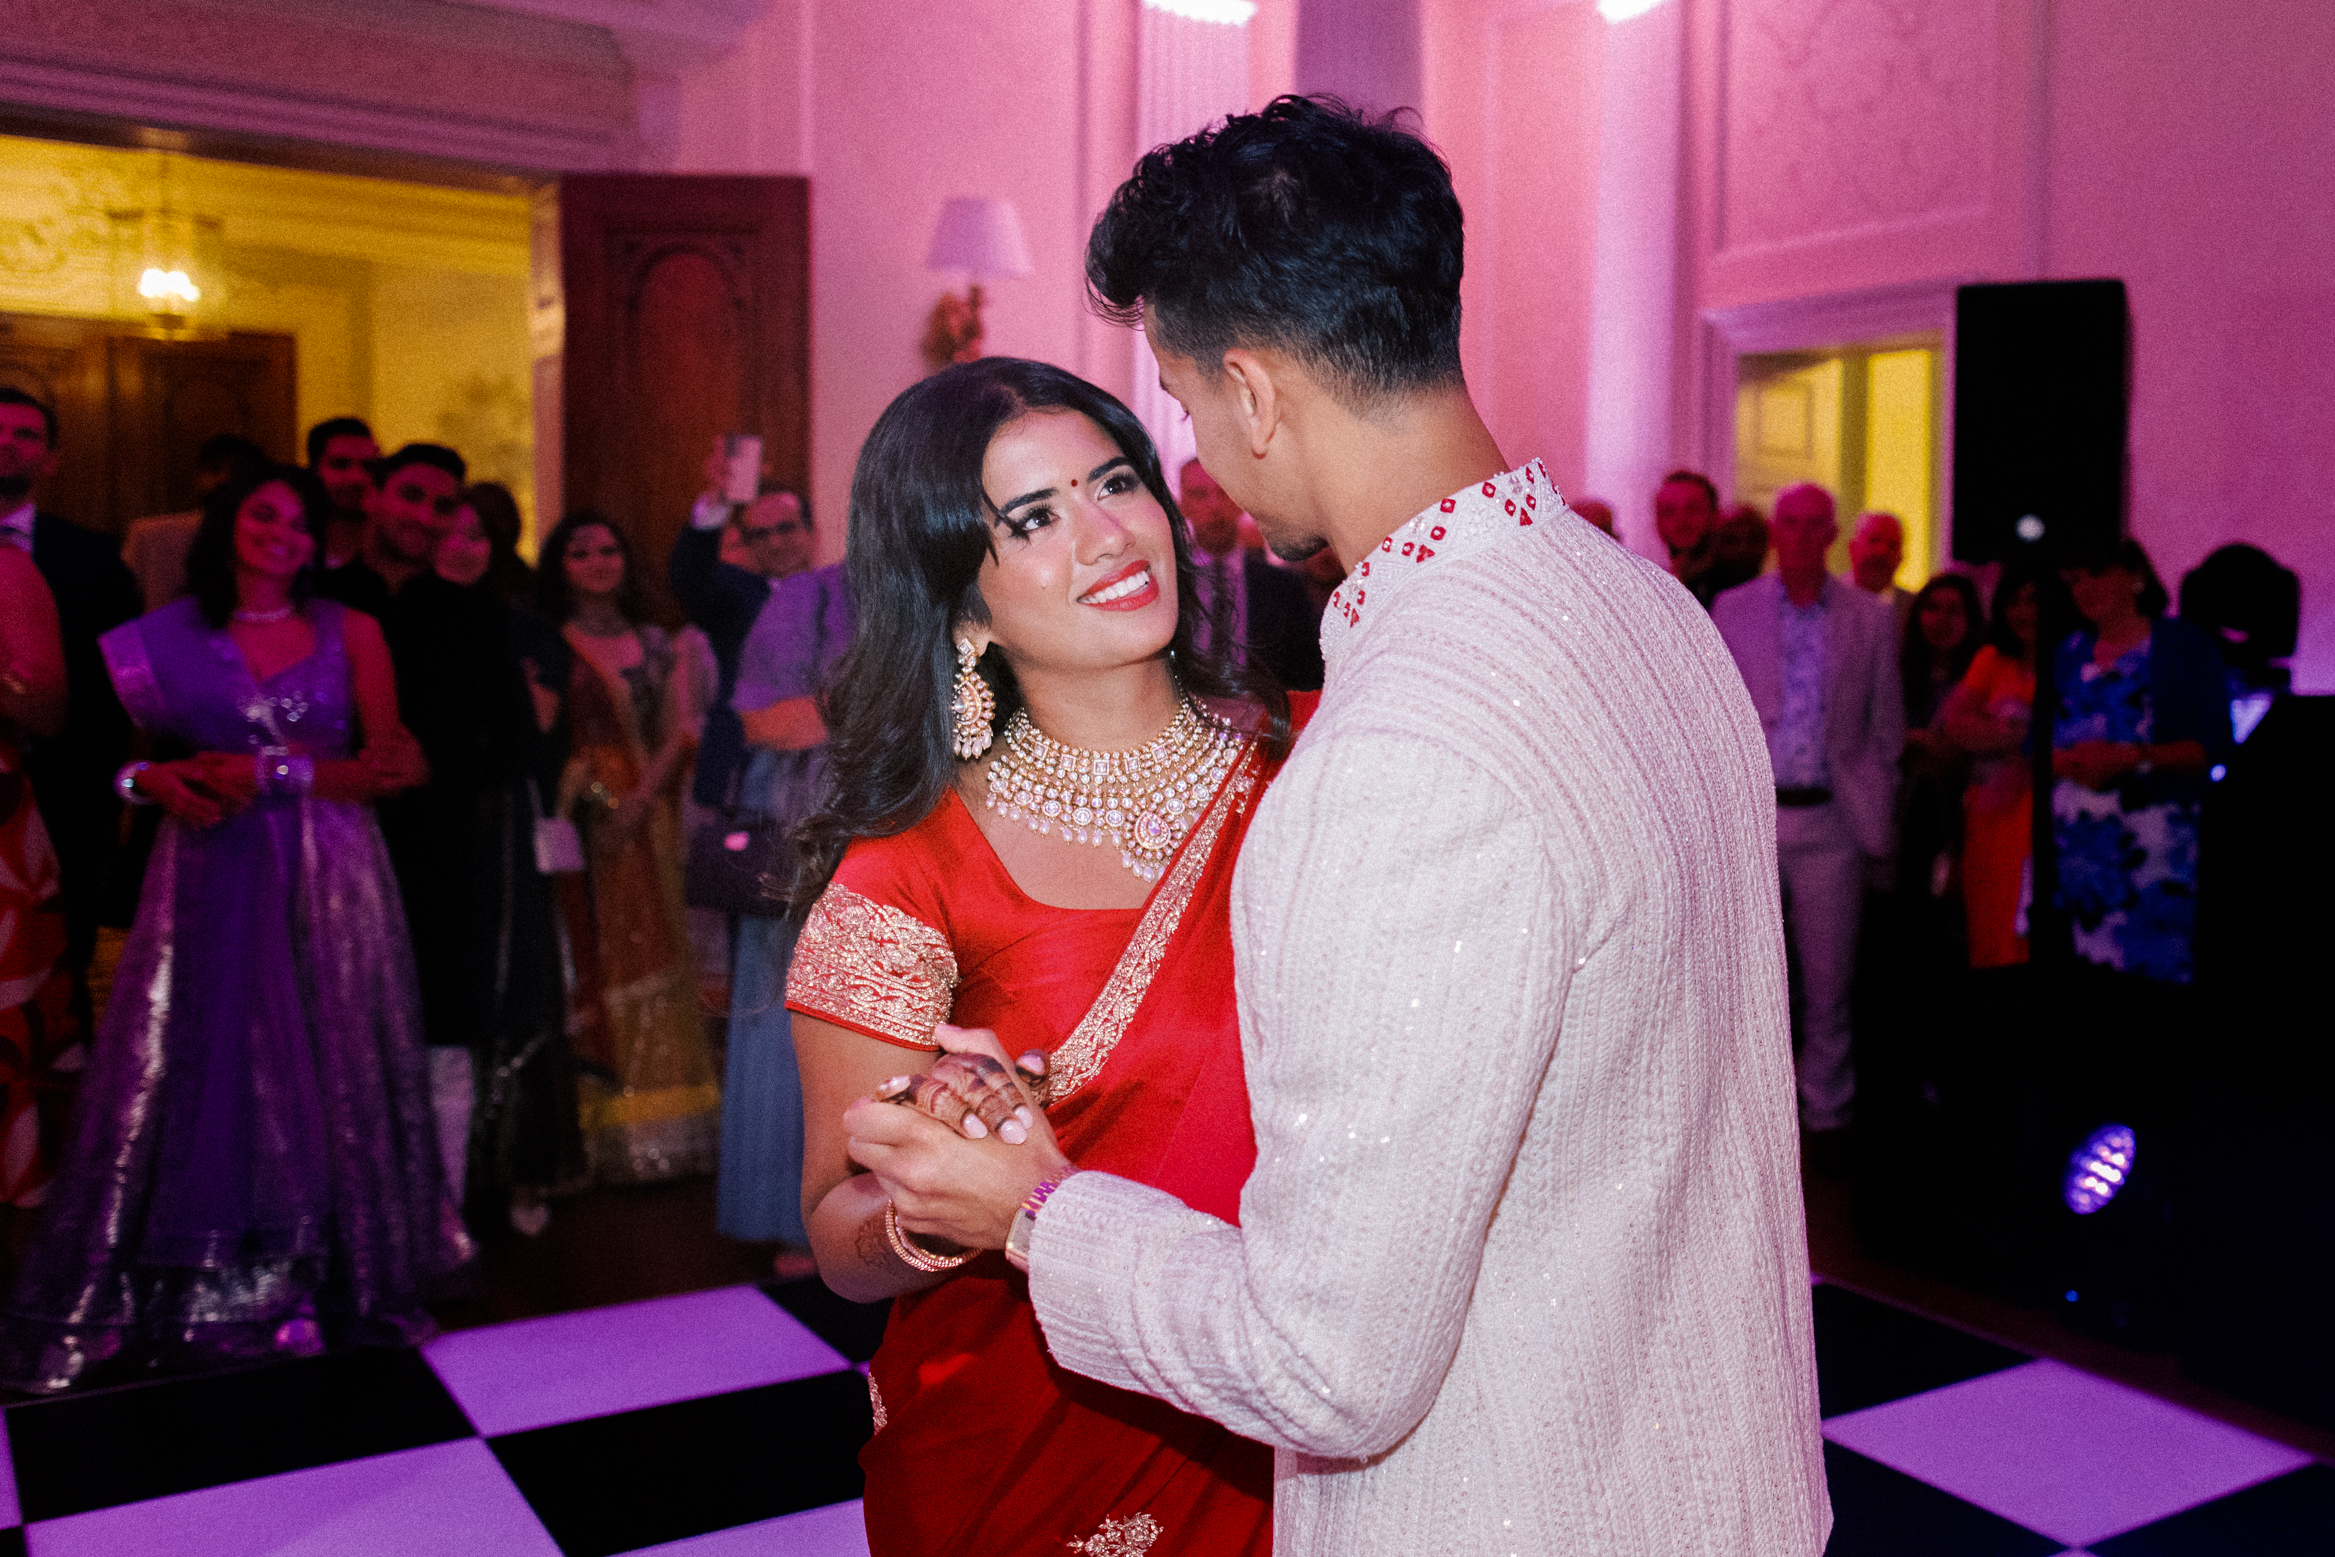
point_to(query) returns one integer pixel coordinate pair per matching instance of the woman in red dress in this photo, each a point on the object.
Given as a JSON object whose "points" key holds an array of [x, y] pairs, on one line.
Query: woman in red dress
{"points": [[1038, 792]]}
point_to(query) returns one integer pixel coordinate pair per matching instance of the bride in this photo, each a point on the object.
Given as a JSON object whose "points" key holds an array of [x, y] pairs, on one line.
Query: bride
{"points": [[1039, 790]]}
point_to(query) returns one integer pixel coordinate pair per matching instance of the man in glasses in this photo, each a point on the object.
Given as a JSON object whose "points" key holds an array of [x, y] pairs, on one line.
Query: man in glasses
{"points": [[722, 567]]}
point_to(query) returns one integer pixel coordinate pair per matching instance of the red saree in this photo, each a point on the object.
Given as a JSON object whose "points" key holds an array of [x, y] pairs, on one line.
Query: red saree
{"points": [[1005, 1451]]}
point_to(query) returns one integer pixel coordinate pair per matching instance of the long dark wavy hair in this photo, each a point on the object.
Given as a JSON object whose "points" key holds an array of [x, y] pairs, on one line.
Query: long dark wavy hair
{"points": [[921, 527], [1920, 668], [555, 597], [210, 556]]}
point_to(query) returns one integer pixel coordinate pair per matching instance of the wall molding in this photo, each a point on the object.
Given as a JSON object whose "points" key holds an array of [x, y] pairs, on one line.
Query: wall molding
{"points": [[529, 86]]}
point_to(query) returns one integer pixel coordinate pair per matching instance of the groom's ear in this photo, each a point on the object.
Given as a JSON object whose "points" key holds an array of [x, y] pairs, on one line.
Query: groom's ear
{"points": [[1257, 396]]}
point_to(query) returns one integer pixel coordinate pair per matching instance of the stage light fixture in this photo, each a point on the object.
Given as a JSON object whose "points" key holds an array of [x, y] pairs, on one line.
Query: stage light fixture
{"points": [[2099, 1168]]}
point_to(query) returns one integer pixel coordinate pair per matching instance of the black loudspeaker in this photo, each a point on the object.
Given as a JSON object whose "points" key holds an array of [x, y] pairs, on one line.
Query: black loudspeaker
{"points": [[2040, 411]]}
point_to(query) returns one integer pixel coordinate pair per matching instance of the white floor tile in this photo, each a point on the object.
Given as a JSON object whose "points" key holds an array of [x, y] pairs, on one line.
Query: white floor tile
{"points": [[446, 1500], [2072, 1456], [536, 1372]]}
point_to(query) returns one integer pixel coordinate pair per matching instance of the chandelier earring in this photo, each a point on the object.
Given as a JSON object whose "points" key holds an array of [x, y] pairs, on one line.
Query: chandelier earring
{"points": [[972, 706]]}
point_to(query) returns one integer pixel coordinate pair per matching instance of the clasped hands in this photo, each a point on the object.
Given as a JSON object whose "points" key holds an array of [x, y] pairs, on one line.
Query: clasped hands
{"points": [[958, 1147], [207, 788]]}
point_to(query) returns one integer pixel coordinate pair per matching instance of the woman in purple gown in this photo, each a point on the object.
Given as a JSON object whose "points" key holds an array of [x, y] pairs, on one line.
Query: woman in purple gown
{"points": [[252, 1170]]}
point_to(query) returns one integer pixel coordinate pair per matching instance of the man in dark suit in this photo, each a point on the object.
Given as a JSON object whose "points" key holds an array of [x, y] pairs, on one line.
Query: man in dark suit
{"points": [[72, 772], [1258, 610]]}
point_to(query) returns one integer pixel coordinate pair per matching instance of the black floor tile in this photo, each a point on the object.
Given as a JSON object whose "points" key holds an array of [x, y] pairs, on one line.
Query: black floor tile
{"points": [[12, 1542], [854, 1329], [2293, 1516], [1868, 1353], [617, 1483], [180, 1435], [1879, 1512]]}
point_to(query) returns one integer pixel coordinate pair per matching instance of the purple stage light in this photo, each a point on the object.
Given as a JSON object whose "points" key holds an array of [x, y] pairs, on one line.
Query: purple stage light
{"points": [[2099, 1168]]}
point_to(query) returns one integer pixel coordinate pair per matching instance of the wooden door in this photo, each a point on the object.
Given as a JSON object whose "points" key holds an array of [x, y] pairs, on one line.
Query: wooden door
{"points": [[132, 409], [687, 305], [61, 362], [169, 396]]}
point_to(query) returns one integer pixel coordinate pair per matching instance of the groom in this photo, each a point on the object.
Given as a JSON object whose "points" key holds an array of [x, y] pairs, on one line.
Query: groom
{"points": [[1521, 1266]]}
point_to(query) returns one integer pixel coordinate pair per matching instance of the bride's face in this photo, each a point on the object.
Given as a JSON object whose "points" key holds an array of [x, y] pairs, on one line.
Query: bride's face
{"points": [[1084, 573]]}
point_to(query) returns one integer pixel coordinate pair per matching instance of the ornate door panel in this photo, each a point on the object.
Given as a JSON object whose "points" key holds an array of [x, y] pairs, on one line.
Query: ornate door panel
{"points": [[132, 409], [62, 363], [169, 396], [687, 304]]}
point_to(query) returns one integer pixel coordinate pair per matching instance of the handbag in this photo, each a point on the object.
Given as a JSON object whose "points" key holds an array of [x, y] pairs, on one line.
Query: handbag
{"points": [[559, 848]]}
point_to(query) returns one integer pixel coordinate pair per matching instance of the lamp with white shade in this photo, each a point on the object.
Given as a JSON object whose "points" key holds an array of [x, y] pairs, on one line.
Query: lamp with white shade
{"points": [[983, 239]]}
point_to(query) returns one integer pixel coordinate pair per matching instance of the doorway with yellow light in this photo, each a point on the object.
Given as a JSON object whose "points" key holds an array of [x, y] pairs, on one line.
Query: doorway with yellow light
{"points": [[1861, 421]]}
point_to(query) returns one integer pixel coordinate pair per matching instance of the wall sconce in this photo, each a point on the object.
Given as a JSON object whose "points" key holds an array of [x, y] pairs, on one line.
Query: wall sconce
{"points": [[167, 268], [981, 238]]}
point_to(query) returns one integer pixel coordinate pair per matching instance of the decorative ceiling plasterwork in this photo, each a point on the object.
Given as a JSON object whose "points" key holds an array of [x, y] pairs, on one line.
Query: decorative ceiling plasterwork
{"points": [[531, 85], [1846, 116]]}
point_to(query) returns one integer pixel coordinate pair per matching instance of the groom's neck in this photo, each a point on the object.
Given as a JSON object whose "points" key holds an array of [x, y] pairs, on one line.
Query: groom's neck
{"points": [[1378, 469]]}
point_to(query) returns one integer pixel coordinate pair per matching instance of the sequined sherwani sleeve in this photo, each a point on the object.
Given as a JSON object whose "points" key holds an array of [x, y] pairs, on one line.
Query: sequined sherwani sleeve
{"points": [[1521, 1265]]}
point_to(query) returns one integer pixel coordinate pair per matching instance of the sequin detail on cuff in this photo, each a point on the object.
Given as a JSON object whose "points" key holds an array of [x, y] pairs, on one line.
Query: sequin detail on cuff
{"points": [[872, 966]]}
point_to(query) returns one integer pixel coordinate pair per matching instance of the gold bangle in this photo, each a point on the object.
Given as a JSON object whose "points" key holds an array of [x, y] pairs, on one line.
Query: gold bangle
{"points": [[912, 1256]]}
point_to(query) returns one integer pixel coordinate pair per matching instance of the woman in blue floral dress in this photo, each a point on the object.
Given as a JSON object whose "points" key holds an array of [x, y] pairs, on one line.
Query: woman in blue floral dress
{"points": [[2143, 718]]}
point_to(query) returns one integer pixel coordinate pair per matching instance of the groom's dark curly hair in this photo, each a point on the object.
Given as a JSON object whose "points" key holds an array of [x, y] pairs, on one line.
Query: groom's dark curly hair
{"points": [[1309, 228]]}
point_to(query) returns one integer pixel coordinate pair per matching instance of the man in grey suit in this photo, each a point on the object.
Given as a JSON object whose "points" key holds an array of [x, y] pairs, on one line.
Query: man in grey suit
{"points": [[1820, 659]]}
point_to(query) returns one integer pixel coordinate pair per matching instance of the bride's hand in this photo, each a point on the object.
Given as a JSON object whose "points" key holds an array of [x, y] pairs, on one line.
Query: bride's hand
{"points": [[942, 1184], [969, 1088]]}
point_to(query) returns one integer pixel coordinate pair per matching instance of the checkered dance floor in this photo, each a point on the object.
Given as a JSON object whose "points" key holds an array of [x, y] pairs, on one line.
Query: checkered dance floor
{"points": [[725, 1423]]}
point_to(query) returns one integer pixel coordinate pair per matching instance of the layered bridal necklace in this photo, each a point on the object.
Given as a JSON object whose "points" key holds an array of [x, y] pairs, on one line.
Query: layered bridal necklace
{"points": [[1144, 800]]}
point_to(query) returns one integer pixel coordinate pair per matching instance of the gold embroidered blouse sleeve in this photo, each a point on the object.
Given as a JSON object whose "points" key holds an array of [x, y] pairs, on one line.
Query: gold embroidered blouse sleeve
{"points": [[873, 968]]}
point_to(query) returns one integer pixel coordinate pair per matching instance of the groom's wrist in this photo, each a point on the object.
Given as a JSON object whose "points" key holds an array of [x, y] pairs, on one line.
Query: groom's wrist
{"points": [[1024, 1225]]}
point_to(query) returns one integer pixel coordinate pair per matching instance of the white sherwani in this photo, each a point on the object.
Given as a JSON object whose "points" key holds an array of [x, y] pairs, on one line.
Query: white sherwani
{"points": [[1521, 1268]]}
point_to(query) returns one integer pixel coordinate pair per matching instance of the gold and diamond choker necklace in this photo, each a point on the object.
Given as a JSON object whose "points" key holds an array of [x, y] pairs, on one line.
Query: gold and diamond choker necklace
{"points": [[1143, 800]]}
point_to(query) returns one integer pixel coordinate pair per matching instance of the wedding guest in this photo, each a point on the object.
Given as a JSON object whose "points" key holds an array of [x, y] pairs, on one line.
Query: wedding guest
{"points": [[1820, 659], [341, 452], [1876, 552], [773, 538], [1987, 717], [463, 692], [2143, 713], [1254, 611], [1686, 517], [1484, 871], [650, 1101], [797, 639], [523, 1140], [2141, 717], [1740, 546], [506, 572], [70, 770], [155, 547], [1943, 633], [252, 1171], [41, 1047]]}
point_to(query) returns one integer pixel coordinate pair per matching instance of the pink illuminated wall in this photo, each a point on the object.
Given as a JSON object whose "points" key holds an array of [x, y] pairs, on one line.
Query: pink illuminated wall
{"points": [[1853, 160], [2193, 154], [893, 106]]}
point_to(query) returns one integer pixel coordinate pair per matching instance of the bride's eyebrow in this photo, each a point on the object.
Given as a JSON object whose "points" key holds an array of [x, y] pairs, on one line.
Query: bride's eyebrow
{"points": [[1026, 497], [1092, 476]]}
